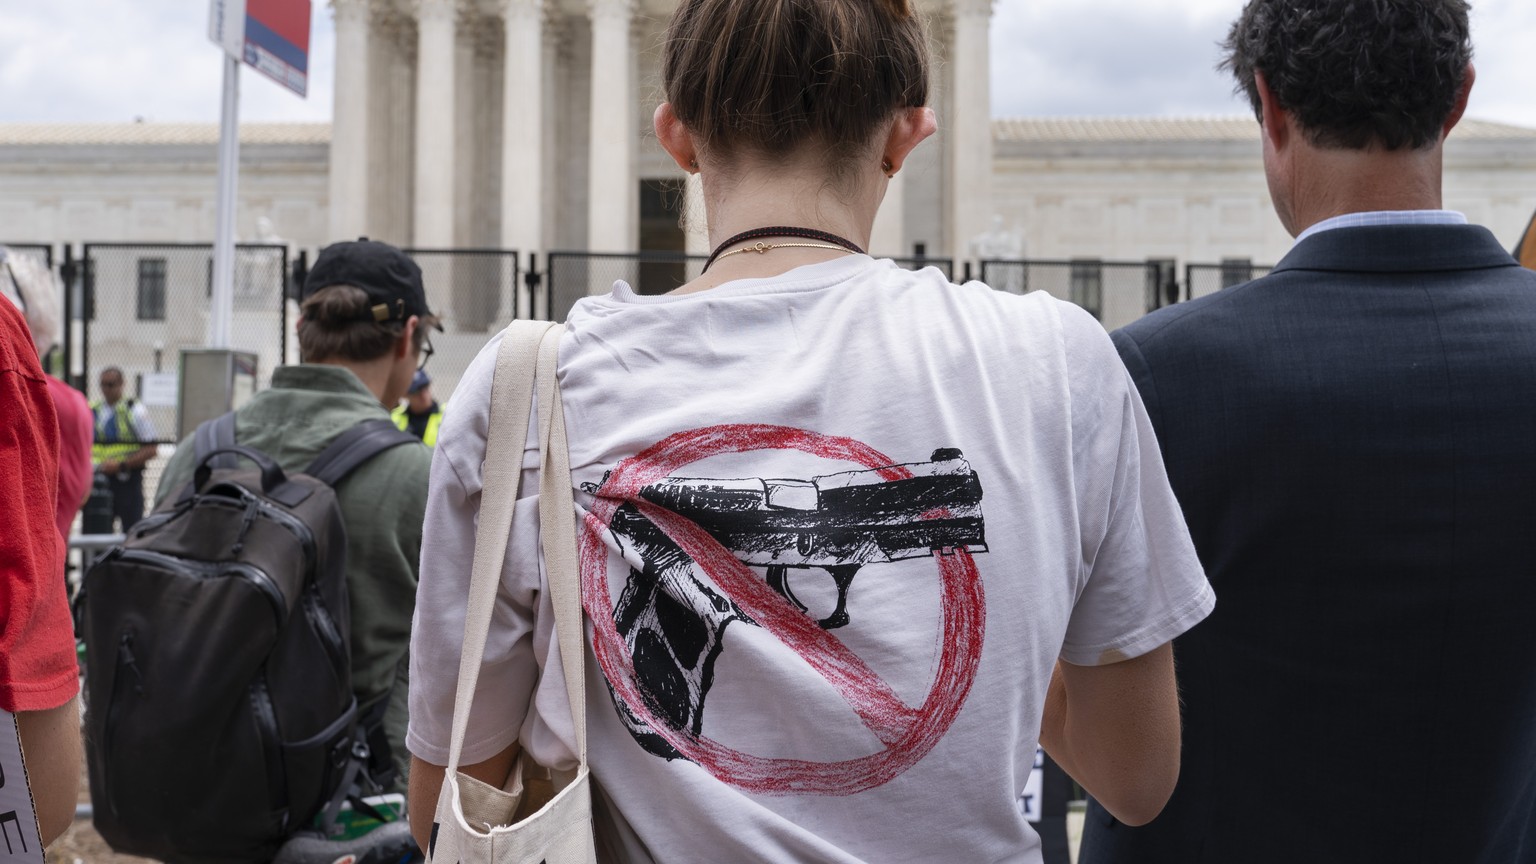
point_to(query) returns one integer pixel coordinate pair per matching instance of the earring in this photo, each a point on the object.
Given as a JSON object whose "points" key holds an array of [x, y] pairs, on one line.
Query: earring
{"points": [[888, 168], [694, 164]]}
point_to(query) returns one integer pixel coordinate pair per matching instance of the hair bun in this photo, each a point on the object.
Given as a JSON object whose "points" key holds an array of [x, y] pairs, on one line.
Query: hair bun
{"points": [[899, 9]]}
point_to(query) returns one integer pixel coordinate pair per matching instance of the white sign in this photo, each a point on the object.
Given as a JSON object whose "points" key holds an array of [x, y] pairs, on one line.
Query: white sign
{"points": [[18, 820], [226, 26], [159, 389], [1034, 789]]}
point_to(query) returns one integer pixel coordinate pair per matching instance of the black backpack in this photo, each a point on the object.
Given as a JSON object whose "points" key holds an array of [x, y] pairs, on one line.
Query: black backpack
{"points": [[220, 718]]}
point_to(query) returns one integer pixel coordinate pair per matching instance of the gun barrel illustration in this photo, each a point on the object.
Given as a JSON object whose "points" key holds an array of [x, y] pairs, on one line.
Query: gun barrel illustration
{"points": [[674, 623]]}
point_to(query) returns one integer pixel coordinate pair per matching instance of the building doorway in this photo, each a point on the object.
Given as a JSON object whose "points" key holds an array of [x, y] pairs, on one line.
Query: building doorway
{"points": [[661, 231]]}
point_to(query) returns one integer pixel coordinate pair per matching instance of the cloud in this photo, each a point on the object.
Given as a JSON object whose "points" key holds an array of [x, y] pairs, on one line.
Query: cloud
{"points": [[112, 60], [107, 60], [1109, 57]]}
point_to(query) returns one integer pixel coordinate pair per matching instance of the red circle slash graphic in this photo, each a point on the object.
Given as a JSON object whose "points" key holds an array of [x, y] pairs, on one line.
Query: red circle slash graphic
{"points": [[908, 734]]}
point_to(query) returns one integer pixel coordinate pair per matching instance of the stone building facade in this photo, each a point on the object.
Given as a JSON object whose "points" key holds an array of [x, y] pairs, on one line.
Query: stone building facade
{"points": [[526, 124]]}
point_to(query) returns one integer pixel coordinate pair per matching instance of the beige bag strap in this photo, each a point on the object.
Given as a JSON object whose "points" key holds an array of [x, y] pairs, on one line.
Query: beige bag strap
{"points": [[512, 394], [557, 536]]}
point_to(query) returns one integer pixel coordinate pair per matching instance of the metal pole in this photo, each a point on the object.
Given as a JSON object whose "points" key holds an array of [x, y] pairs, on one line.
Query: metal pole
{"points": [[229, 186]]}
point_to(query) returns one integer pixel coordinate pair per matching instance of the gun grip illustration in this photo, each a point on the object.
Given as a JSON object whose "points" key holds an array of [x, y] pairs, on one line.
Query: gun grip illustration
{"points": [[673, 622]]}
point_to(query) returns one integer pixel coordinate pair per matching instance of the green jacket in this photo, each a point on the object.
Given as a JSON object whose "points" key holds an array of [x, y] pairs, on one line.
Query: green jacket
{"points": [[382, 503]]}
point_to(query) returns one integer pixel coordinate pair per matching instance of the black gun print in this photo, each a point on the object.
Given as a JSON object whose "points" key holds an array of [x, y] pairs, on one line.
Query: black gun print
{"points": [[673, 623]]}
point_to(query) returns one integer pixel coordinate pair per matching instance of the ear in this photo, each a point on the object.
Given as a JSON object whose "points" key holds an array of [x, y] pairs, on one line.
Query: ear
{"points": [[910, 127], [675, 138], [407, 340], [1460, 107], [1274, 120]]}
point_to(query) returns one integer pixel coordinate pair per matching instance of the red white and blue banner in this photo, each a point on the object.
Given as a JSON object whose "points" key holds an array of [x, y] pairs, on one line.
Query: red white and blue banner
{"points": [[271, 36], [277, 41]]}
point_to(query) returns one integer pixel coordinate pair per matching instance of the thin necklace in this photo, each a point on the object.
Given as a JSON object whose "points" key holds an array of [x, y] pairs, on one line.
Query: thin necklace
{"points": [[841, 244]]}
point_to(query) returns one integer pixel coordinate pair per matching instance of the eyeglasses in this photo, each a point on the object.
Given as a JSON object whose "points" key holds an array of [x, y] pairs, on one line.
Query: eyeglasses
{"points": [[426, 354]]}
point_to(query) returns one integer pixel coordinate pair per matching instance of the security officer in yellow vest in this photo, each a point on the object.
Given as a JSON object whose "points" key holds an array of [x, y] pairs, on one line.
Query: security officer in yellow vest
{"points": [[124, 444], [420, 415]]}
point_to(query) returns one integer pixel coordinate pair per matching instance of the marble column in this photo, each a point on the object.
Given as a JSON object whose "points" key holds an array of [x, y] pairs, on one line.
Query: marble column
{"points": [[695, 217], [970, 126], [889, 237], [612, 198], [349, 123], [433, 222], [522, 137]]}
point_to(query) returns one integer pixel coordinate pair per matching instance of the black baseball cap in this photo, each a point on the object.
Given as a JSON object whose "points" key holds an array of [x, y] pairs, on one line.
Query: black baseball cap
{"points": [[387, 275]]}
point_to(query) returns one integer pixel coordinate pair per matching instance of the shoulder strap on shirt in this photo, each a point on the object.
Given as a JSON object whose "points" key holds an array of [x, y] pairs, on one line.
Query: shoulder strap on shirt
{"points": [[354, 447]]}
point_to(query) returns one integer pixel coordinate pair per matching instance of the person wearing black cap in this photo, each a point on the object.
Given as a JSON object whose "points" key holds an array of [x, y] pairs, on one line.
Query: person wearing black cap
{"points": [[362, 335], [420, 415]]}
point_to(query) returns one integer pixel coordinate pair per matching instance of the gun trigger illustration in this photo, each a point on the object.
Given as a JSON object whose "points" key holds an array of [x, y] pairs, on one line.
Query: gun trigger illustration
{"points": [[778, 580]]}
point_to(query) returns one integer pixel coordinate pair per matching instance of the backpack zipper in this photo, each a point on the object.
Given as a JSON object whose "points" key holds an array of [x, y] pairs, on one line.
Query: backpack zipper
{"points": [[330, 634], [262, 582], [271, 746], [125, 663]]}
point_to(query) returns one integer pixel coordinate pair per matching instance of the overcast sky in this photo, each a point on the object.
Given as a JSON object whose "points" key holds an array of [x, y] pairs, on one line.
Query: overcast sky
{"points": [[115, 60]]}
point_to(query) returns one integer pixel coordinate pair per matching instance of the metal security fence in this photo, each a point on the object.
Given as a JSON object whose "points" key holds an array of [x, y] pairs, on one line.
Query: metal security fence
{"points": [[1115, 292], [1203, 279], [944, 265], [571, 276], [41, 251], [141, 304], [472, 290], [474, 293], [574, 275]]}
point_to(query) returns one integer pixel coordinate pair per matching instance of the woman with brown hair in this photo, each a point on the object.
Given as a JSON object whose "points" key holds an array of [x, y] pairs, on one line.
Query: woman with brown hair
{"points": [[837, 520]]}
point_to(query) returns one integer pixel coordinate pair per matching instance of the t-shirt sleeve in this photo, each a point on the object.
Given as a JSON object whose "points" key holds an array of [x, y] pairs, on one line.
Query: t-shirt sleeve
{"points": [[143, 426], [1141, 583], [509, 670], [37, 647]]}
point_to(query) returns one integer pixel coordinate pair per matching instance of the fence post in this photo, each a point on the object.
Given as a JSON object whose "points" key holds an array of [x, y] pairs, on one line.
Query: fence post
{"points": [[532, 279], [67, 276]]}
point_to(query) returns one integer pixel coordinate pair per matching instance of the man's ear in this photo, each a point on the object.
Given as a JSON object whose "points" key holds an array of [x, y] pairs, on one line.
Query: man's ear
{"points": [[675, 138], [407, 341], [1460, 107], [1274, 120], [910, 127]]}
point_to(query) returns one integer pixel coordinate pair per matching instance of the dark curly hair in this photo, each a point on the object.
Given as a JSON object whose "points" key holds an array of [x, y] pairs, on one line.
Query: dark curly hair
{"points": [[1355, 73]]}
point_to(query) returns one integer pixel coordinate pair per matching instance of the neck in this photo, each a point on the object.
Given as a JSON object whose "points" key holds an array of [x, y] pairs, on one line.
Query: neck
{"points": [[373, 373], [792, 194], [1336, 182]]}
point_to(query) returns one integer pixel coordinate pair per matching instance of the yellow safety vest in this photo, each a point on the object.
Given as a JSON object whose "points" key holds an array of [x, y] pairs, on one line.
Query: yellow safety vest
{"points": [[429, 438], [127, 439]]}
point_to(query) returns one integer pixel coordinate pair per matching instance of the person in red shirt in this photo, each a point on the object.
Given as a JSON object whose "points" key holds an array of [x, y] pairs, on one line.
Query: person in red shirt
{"points": [[39, 291], [39, 679]]}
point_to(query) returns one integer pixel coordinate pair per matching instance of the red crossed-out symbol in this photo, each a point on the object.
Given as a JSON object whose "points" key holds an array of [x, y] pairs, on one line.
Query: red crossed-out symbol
{"points": [[907, 733]]}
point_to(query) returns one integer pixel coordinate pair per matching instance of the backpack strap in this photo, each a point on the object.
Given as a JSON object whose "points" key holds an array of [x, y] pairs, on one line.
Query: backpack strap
{"points": [[210, 436], [215, 434], [356, 446]]}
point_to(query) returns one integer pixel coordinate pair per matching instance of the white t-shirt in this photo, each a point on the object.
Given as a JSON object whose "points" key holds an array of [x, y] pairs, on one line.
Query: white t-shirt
{"points": [[975, 467]]}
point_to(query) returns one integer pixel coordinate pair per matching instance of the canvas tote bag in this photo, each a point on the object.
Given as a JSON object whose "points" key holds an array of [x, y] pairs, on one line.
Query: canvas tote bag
{"points": [[476, 823]]}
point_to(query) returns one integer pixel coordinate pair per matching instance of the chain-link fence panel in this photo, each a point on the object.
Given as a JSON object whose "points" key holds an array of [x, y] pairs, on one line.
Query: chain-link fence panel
{"points": [[574, 275], [41, 251], [1203, 279], [142, 304], [945, 265], [1115, 292], [474, 293]]}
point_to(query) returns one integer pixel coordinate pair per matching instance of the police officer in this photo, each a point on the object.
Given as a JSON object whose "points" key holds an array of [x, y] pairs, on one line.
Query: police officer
{"points": [[420, 415], [124, 443]]}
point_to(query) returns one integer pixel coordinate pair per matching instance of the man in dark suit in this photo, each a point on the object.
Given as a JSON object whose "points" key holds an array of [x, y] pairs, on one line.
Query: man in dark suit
{"points": [[1353, 441]]}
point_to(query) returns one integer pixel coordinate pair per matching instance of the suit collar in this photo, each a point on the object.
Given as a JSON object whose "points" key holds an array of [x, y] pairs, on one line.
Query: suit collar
{"points": [[1398, 249]]}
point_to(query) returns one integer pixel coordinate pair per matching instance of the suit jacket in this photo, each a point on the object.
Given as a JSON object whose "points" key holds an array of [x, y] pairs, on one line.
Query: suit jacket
{"points": [[1353, 441]]}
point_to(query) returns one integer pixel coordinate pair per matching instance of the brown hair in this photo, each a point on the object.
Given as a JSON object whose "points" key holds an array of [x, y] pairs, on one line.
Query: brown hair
{"points": [[772, 76], [334, 325]]}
